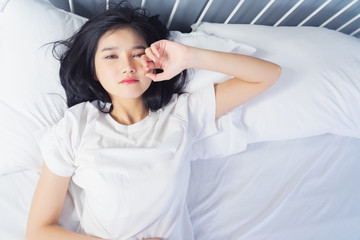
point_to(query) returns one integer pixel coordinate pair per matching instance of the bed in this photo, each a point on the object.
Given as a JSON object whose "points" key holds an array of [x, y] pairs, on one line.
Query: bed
{"points": [[297, 176]]}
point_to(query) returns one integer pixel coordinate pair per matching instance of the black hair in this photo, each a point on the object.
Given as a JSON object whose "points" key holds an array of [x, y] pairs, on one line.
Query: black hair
{"points": [[77, 64]]}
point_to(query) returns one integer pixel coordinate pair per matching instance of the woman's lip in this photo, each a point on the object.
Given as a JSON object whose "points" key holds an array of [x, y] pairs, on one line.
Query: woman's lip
{"points": [[129, 81]]}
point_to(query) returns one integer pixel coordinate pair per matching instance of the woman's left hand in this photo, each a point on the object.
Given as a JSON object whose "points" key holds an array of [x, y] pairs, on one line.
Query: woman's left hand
{"points": [[165, 55]]}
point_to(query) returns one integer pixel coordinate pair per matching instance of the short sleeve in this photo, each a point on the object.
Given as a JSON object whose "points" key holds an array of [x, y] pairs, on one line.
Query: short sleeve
{"points": [[58, 143], [231, 138], [214, 138], [201, 113]]}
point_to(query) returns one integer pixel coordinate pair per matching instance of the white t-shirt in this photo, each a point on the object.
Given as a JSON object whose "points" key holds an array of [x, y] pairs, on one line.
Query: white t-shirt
{"points": [[132, 180]]}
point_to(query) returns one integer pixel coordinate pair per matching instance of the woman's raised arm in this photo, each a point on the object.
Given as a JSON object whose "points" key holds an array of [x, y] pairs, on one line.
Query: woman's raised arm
{"points": [[251, 75]]}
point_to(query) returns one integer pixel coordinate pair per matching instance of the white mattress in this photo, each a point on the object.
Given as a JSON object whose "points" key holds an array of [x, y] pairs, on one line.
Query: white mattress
{"points": [[305, 188]]}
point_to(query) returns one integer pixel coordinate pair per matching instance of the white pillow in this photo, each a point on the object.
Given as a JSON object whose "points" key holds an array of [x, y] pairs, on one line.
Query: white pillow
{"points": [[31, 96], [319, 89]]}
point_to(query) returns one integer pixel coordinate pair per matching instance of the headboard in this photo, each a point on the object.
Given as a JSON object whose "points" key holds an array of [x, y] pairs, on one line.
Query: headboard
{"points": [[339, 15]]}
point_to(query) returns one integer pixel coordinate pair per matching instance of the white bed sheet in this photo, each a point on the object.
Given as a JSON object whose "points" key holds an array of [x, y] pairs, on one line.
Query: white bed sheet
{"points": [[305, 188], [299, 189]]}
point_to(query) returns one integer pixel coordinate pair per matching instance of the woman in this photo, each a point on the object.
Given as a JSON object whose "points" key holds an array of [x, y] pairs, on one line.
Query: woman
{"points": [[125, 140]]}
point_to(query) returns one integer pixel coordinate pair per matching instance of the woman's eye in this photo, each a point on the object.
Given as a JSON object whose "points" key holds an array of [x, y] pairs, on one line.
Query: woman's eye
{"points": [[111, 57], [138, 54]]}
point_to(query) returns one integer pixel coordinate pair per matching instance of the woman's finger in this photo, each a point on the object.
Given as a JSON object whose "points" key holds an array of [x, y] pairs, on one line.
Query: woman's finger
{"points": [[154, 48], [157, 77], [151, 75], [147, 63], [144, 60], [149, 53]]}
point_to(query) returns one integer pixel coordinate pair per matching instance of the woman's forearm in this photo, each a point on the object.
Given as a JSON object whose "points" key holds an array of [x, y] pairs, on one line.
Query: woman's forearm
{"points": [[46, 209], [55, 232], [251, 75], [244, 67]]}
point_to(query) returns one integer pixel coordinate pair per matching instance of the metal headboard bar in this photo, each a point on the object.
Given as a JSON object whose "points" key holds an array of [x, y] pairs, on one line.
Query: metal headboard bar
{"points": [[289, 12], [348, 22], [262, 11], [176, 5], [355, 32], [338, 13], [71, 6], [143, 2], [268, 5], [315, 12], [234, 11], [203, 13]]}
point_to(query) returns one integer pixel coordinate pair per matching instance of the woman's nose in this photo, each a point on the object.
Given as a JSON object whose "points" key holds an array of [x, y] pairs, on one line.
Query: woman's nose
{"points": [[128, 66]]}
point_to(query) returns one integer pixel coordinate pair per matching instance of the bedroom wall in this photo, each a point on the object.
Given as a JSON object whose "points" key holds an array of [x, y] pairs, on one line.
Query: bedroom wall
{"points": [[189, 11]]}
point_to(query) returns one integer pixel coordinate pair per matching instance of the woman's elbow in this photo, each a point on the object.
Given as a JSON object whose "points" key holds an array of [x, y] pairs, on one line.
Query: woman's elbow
{"points": [[32, 233], [276, 72]]}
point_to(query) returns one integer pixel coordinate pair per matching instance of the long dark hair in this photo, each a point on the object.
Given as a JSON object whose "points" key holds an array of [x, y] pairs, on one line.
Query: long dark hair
{"points": [[77, 64]]}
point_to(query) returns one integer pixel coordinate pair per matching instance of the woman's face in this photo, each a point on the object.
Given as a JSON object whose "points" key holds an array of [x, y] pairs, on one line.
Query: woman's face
{"points": [[118, 66]]}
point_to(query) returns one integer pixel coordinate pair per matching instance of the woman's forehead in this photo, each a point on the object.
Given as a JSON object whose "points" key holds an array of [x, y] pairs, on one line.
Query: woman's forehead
{"points": [[123, 36]]}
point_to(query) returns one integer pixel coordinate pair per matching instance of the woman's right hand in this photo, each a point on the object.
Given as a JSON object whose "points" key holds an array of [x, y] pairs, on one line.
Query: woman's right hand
{"points": [[166, 55]]}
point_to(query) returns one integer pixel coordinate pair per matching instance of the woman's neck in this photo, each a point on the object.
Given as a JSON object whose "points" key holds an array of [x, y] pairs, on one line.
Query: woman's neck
{"points": [[128, 112]]}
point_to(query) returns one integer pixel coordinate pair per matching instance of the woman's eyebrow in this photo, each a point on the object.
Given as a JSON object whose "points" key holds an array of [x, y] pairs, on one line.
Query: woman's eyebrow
{"points": [[109, 49], [116, 48], [139, 47]]}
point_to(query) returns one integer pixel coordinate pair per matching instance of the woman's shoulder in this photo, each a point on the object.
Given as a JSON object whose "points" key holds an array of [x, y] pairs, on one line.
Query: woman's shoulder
{"points": [[187, 99], [186, 104], [81, 112], [176, 102], [80, 108]]}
